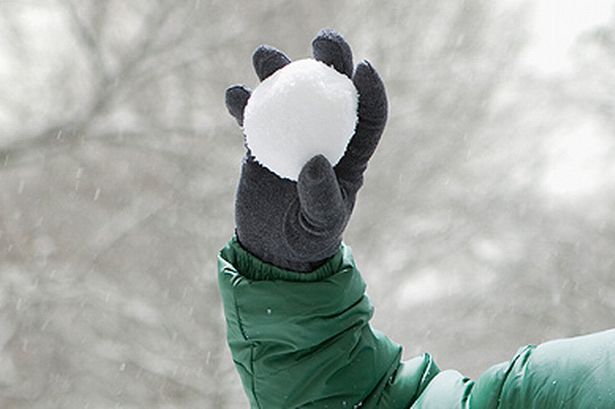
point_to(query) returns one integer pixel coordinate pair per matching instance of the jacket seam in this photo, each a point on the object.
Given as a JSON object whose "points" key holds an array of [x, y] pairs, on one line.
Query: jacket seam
{"points": [[388, 376], [427, 360], [246, 338], [508, 372]]}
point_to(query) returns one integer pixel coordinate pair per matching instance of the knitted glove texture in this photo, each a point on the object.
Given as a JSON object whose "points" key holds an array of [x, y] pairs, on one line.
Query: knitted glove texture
{"points": [[299, 225]]}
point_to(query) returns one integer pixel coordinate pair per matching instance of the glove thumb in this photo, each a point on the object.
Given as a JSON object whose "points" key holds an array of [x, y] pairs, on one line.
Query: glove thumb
{"points": [[322, 206]]}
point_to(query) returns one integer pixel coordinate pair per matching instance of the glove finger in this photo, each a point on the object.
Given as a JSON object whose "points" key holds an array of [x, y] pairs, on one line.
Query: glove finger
{"points": [[331, 48], [236, 99], [267, 60], [321, 204], [372, 114], [372, 97]]}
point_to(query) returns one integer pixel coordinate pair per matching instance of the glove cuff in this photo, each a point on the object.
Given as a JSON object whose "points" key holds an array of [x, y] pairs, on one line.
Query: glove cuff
{"points": [[281, 262], [291, 267]]}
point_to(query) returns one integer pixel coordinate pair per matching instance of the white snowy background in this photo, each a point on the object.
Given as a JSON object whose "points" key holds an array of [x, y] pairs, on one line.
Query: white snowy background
{"points": [[487, 220]]}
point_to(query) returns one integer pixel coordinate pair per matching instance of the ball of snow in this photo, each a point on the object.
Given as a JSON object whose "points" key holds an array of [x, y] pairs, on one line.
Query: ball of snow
{"points": [[304, 109]]}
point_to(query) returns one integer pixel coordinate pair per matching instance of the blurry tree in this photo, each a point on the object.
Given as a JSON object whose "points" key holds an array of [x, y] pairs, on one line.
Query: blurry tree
{"points": [[109, 224], [595, 53]]}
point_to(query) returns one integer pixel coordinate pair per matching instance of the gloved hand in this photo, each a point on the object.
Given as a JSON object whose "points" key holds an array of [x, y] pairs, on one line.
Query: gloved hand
{"points": [[298, 225]]}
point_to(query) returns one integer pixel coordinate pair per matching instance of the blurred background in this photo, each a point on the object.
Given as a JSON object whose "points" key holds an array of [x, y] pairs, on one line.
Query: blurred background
{"points": [[486, 221]]}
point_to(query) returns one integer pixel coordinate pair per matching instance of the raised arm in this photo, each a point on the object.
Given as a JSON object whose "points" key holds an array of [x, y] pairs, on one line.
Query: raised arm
{"points": [[295, 304]]}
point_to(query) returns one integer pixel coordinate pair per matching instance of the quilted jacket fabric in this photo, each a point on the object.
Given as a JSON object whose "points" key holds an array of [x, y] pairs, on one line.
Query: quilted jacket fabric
{"points": [[304, 340]]}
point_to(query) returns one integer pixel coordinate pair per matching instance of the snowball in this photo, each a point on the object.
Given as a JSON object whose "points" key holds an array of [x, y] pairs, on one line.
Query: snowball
{"points": [[304, 109]]}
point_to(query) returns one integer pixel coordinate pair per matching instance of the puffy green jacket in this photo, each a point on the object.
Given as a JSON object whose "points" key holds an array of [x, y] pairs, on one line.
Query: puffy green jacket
{"points": [[304, 341]]}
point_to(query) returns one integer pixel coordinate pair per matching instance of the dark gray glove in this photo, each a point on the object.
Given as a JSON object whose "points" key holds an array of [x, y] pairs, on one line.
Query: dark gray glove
{"points": [[299, 225]]}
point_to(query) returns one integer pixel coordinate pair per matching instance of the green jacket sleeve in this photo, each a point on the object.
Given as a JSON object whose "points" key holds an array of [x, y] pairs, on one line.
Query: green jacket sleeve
{"points": [[304, 341]]}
